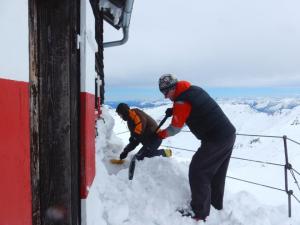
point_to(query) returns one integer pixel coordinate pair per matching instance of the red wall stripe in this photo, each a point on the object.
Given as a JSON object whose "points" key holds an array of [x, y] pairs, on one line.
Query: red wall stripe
{"points": [[15, 188], [87, 142]]}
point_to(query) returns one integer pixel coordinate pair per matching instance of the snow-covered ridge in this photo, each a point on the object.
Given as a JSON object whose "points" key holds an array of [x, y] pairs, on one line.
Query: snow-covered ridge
{"points": [[264, 105], [160, 185], [139, 104]]}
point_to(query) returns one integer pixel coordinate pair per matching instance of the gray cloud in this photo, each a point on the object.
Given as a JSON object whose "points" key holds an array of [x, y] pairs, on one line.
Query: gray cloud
{"points": [[214, 43]]}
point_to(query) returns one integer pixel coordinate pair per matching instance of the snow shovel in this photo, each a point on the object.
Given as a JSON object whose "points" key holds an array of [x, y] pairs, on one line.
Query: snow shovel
{"points": [[117, 161], [133, 160]]}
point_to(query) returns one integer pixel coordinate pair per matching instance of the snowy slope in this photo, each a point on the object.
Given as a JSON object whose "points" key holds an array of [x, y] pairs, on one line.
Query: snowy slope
{"points": [[161, 185]]}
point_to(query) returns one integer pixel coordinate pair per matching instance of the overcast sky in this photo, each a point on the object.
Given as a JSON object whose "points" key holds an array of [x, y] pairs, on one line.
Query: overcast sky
{"points": [[212, 43]]}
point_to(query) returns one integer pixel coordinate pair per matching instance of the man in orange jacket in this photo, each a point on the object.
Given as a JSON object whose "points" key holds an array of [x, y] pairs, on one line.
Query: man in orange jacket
{"points": [[142, 129], [206, 120]]}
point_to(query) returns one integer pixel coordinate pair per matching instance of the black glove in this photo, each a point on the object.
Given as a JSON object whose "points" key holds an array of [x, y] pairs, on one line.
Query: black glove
{"points": [[123, 155], [134, 139], [169, 112]]}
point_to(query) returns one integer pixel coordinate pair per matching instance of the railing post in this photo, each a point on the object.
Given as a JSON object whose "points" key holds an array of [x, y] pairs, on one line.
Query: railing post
{"points": [[286, 168]]}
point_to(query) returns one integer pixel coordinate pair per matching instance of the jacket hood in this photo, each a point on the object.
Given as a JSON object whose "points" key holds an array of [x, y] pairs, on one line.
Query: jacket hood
{"points": [[181, 87]]}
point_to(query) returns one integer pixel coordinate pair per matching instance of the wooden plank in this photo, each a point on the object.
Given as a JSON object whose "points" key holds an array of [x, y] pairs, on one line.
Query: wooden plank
{"points": [[58, 111], [34, 112]]}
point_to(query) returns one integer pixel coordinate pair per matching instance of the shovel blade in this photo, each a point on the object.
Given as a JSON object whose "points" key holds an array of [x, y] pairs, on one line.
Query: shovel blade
{"points": [[117, 161]]}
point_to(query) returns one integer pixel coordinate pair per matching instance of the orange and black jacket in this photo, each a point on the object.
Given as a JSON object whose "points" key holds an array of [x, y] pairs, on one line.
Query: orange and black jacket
{"points": [[142, 128]]}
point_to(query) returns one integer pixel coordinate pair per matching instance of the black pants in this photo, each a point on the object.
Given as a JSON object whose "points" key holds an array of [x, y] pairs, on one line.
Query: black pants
{"points": [[207, 174], [150, 149]]}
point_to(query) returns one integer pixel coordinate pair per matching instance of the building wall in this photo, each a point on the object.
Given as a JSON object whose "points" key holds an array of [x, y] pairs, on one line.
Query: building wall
{"points": [[14, 55], [88, 47], [15, 188]]}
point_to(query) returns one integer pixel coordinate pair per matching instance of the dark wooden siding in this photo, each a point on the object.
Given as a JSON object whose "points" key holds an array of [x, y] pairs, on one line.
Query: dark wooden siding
{"points": [[55, 83]]}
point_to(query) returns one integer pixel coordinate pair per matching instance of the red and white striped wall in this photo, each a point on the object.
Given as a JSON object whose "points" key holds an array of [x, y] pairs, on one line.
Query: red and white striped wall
{"points": [[15, 188], [88, 47]]}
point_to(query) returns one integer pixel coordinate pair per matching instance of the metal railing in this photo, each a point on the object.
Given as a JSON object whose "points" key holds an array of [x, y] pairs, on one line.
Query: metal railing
{"points": [[287, 166]]}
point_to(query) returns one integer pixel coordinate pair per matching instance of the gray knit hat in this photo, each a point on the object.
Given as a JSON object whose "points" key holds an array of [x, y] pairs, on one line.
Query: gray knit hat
{"points": [[167, 82]]}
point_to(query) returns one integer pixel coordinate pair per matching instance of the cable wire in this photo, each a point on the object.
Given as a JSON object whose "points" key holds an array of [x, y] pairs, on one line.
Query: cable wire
{"points": [[250, 160], [296, 198], [184, 149], [257, 161], [123, 132], [296, 181], [296, 171], [293, 141], [258, 135], [250, 182]]}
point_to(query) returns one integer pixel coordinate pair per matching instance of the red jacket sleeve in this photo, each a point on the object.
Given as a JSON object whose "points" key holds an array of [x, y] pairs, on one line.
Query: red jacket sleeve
{"points": [[181, 111]]}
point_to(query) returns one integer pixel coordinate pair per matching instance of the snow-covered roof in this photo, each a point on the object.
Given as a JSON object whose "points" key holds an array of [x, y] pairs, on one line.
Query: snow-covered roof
{"points": [[114, 10]]}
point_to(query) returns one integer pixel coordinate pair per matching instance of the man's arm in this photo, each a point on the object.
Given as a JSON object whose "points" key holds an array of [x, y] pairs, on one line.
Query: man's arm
{"points": [[181, 111], [136, 132]]}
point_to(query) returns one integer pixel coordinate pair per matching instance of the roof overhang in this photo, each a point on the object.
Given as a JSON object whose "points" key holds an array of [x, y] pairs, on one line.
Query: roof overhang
{"points": [[113, 12]]}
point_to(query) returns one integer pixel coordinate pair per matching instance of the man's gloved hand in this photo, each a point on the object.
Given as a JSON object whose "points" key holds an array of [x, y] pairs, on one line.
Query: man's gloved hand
{"points": [[169, 112], [162, 134], [123, 155]]}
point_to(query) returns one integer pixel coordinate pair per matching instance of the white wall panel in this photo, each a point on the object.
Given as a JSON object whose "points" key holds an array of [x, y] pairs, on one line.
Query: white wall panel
{"points": [[14, 45], [88, 47]]}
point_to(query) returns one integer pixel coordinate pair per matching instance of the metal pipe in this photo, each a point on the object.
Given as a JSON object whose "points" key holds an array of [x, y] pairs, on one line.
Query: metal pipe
{"points": [[125, 26], [286, 168], [120, 42]]}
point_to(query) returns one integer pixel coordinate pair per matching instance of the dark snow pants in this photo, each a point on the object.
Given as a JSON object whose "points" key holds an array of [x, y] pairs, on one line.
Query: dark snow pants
{"points": [[207, 174], [150, 149]]}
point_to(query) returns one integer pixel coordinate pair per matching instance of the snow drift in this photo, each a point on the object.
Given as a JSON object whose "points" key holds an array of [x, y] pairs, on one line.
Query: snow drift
{"points": [[160, 185]]}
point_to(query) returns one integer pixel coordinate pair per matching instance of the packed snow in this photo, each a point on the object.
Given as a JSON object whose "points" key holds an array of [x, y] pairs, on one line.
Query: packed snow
{"points": [[160, 185], [113, 9]]}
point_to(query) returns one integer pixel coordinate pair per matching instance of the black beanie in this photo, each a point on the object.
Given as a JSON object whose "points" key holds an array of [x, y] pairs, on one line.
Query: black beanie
{"points": [[123, 109]]}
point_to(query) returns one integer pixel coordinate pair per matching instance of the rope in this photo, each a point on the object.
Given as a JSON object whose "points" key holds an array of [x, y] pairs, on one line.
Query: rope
{"points": [[122, 132], [296, 171], [293, 141], [257, 135], [250, 160], [184, 149], [249, 135], [257, 161], [296, 181], [250, 182], [296, 198]]}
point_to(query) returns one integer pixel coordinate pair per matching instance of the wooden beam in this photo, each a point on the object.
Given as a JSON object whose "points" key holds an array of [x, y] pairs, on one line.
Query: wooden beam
{"points": [[55, 79]]}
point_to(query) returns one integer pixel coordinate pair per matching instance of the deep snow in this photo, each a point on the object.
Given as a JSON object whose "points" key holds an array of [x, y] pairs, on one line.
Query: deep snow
{"points": [[160, 185]]}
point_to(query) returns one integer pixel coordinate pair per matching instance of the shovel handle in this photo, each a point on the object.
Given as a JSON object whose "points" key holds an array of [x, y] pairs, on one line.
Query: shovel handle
{"points": [[161, 123], [131, 168]]}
